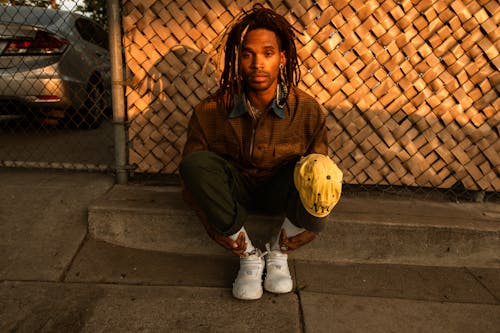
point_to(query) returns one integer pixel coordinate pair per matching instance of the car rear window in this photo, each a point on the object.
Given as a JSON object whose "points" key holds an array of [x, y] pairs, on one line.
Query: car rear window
{"points": [[92, 32]]}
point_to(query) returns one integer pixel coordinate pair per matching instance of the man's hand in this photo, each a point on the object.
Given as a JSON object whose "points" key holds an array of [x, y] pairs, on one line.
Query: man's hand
{"points": [[294, 242], [238, 247]]}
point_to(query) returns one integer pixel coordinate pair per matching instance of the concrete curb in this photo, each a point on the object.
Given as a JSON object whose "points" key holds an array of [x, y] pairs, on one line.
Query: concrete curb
{"points": [[362, 230]]}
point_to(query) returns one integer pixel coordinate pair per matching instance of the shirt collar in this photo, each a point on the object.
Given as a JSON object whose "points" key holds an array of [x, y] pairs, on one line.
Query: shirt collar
{"points": [[239, 108]]}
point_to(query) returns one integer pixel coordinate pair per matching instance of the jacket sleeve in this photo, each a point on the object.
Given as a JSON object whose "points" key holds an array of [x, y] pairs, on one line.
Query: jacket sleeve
{"points": [[196, 140]]}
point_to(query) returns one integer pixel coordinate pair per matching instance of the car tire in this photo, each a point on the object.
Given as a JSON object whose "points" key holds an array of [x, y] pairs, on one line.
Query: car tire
{"points": [[91, 113]]}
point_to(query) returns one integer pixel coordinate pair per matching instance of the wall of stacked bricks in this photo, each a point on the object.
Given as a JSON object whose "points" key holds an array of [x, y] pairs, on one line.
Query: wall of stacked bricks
{"points": [[411, 87]]}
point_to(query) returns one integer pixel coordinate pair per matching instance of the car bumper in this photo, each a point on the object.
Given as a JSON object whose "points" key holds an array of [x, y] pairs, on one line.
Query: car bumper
{"points": [[42, 88]]}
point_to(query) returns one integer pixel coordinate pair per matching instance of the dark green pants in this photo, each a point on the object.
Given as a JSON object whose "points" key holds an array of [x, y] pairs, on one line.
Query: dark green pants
{"points": [[226, 196]]}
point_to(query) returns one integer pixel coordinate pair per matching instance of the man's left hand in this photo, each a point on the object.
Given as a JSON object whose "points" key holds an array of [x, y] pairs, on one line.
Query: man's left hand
{"points": [[288, 244]]}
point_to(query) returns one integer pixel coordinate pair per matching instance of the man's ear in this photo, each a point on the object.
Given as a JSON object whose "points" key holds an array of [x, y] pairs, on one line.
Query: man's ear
{"points": [[282, 58]]}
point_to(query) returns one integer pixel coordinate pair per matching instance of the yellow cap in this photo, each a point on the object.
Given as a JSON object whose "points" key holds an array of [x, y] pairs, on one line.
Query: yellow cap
{"points": [[319, 183]]}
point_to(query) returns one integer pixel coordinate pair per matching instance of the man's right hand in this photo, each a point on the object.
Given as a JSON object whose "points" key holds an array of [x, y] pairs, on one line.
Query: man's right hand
{"points": [[238, 247]]}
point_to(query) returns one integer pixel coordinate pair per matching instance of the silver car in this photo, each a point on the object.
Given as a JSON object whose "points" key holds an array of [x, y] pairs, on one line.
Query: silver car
{"points": [[55, 62]]}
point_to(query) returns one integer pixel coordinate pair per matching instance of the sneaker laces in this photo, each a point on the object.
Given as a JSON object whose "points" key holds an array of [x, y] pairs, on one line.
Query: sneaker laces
{"points": [[251, 263], [276, 259]]}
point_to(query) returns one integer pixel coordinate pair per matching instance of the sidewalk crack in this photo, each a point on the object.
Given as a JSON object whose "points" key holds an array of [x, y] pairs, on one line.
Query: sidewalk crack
{"points": [[478, 279], [66, 269]]}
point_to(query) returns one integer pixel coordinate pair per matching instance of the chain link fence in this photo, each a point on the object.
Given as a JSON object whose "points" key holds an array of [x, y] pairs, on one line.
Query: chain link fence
{"points": [[55, 96], [411, 88]]}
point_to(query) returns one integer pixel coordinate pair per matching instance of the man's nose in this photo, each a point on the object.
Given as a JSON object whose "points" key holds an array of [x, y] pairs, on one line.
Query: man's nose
{"points": [[258, 61]]}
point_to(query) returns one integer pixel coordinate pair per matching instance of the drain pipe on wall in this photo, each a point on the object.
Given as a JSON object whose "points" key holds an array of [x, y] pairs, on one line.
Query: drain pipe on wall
{"points": [[117, 91]]}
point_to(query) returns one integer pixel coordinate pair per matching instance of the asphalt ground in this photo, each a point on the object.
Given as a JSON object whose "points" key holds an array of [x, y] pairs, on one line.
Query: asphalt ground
{"points": [[55, 277]]}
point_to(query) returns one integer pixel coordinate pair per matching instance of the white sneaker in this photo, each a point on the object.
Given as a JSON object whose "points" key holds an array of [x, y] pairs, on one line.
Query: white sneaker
{"points": [[278, 279], [248, 283]]}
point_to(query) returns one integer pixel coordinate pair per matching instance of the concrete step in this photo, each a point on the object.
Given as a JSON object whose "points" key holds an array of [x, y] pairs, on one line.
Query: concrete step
{"points": [[363, 229]]}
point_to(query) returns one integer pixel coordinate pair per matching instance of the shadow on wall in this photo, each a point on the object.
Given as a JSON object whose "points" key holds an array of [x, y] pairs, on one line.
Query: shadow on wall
{"points": [[160, 100]]}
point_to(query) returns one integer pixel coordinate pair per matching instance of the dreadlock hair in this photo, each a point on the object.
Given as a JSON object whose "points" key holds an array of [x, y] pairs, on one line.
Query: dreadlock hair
{"points": [[258, 17]]}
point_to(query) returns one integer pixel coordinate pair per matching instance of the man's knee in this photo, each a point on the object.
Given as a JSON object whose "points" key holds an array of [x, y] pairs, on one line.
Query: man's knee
{"points": [[309, 222], [202, 166], [192, 163]]}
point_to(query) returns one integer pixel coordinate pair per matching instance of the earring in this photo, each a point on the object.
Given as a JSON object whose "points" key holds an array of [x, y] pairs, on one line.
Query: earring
{"points": [[282, 73], [281, 89]]}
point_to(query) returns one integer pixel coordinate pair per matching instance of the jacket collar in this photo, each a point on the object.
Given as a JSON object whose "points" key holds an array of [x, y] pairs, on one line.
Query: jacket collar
{"points": [[240, 109]]}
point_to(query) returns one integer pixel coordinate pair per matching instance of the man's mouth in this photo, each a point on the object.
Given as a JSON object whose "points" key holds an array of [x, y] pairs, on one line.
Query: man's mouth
{"points": [[258, 76], [258, 79]]}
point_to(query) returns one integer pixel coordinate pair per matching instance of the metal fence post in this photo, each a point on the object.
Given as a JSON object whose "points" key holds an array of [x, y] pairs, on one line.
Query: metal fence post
{"points": [[117, 91]]}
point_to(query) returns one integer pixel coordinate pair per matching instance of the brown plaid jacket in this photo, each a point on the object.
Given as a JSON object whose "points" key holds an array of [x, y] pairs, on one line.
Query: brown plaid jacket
{"points": [[280, 135]]}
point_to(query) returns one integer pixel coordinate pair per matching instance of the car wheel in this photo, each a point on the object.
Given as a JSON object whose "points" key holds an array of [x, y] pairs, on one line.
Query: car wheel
{"points": [[90, 114]]}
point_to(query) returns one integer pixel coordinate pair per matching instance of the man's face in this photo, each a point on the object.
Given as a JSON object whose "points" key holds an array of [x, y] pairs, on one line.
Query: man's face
{"points": [[260, 59]]}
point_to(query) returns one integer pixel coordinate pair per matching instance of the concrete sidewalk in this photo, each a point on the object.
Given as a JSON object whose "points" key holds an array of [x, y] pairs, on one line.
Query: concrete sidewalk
{"points": [[55, 277]]}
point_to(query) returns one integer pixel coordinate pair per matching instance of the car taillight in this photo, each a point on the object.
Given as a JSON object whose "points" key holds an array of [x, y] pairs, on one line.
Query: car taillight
{"points": [[44, 43]]}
